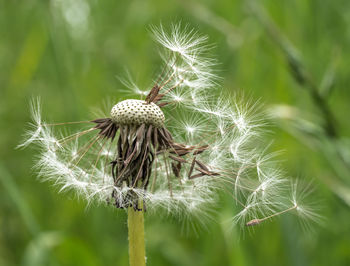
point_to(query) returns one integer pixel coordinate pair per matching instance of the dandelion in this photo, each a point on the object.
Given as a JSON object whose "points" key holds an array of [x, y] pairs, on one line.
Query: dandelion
{"points": [[173, 148]]}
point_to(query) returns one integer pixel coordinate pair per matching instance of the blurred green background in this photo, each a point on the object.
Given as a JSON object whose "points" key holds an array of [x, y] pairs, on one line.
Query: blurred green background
{"points": [[69, 52]]}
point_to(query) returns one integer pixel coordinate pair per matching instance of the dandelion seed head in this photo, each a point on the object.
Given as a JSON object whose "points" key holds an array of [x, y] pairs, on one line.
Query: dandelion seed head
{"points": [[173, 150]]}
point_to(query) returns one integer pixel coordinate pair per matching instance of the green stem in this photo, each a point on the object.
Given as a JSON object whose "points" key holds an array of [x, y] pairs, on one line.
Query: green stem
{"points": [[137, 256]]}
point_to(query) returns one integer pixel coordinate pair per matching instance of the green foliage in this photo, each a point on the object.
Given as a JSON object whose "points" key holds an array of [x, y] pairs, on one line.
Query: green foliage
{"points": [[70, 52]]}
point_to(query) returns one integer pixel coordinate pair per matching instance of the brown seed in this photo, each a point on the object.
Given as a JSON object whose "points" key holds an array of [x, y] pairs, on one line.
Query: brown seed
{"points": [[253, 222]]}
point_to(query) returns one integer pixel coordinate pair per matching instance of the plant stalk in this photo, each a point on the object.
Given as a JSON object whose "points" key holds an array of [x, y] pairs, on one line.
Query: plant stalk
{"points": [[137, 255]]}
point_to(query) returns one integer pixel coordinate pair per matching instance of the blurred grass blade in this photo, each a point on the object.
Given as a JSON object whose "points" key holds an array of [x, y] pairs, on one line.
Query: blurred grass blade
{"points": [[12, 190], [233, 35], [339, 188], [297, 67], [37, 251], [296, 122], [29, 58], [328, 81]]}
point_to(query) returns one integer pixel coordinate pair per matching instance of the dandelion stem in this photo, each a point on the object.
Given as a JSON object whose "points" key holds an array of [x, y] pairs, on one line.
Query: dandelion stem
{"points": [[137, 256]]}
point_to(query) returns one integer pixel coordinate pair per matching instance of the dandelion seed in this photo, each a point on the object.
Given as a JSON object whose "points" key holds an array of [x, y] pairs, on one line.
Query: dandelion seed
{"points": [[142, 156]]}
